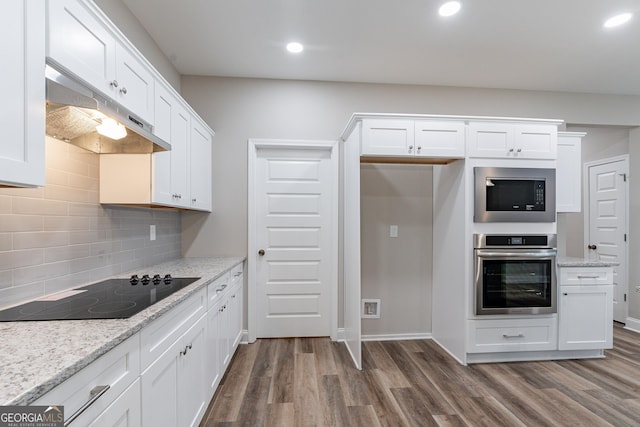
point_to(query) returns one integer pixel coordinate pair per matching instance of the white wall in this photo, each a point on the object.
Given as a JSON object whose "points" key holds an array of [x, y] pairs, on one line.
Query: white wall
{"points": [[238, 109], [397, 270]]}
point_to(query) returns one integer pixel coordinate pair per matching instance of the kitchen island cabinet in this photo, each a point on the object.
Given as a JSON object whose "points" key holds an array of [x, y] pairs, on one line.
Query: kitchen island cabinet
{"points": [[22, 161]]}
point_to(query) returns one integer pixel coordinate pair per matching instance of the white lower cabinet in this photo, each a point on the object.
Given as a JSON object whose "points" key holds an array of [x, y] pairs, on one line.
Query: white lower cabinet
{"points": [[511, 335], [173, 387], [166, 374], [124, 411], [585, 308], [92, 393]]}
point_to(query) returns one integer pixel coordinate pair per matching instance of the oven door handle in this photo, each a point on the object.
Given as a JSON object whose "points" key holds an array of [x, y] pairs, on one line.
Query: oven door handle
{"points": [[516, 255]]}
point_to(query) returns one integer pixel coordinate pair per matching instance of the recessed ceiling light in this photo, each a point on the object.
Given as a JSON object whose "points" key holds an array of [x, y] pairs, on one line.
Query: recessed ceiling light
{"points": [[614, 21], [295, 47], [449, 8]]}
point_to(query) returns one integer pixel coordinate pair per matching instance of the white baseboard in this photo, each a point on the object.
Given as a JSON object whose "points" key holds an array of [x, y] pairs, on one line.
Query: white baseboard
{"points": [[632, 324], [244, 339], [397, 337], [388, 337]]}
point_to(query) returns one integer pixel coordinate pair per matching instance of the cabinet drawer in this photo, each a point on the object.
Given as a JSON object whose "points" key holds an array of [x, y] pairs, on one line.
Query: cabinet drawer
{"points": [[489, 336], [156, 338], [586, 276], [117, 368], [215, 290], [236, 274]]}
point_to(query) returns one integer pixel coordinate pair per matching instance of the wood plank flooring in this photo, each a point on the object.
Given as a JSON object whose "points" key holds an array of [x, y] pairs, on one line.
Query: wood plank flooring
{"points": [[312, 382]]}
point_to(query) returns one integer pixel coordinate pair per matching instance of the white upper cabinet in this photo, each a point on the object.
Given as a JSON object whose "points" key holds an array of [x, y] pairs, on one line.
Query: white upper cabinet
{"points": [[413, 138], [569, 172], [22, 87], [387, 137], [170, 168], [200, 167], [80, 41], [516, 141], [135, 84], [439, 139]]}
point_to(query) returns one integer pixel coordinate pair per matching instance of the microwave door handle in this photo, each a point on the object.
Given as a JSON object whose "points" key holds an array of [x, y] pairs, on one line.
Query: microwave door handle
{"points": [[504, 254]]}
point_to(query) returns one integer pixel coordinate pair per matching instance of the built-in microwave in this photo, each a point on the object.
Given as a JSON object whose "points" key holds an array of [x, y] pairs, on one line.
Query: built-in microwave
{"points": [[514, 194]]}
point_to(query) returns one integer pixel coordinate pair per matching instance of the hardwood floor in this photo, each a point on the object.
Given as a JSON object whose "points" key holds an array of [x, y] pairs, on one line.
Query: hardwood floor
{"points": [[312, 382]]}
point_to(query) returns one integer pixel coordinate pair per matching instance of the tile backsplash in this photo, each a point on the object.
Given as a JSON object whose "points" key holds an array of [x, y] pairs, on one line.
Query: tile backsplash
{"points": [[59, 236]]}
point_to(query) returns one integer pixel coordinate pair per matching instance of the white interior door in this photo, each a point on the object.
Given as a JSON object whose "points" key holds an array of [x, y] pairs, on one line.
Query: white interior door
{"points": [[607, 225], [294, 207]]}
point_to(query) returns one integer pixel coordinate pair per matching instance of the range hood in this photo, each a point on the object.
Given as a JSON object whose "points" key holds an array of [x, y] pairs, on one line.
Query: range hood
{"points": [[77, 114]]}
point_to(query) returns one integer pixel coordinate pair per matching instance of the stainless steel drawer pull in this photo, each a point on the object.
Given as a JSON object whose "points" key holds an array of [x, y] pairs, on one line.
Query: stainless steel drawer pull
{"points": [[520, 335], [94, 395], [588, 277]]}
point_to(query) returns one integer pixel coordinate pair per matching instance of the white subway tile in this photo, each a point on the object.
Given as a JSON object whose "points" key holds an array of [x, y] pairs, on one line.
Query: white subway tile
{"points": [[40, 239]]}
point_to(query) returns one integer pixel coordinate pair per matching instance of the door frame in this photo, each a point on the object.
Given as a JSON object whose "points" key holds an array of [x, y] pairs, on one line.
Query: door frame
{"points": [[587, 214], [252, 291]]}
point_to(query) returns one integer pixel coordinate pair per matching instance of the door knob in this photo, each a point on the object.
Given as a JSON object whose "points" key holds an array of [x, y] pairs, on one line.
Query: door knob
{"points": [[592, 247], [261, 252]]}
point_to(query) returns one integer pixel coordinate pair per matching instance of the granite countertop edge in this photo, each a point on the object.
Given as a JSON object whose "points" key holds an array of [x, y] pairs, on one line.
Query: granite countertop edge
{"points": [[20, 389], [584, 262]]}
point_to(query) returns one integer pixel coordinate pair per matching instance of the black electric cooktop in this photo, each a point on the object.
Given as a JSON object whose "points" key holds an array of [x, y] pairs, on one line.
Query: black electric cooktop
{"points": [[109, 299]]}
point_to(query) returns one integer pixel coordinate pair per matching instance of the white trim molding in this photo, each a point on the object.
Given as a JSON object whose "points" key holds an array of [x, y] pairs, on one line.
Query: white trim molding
{"points": [[632, 324]]}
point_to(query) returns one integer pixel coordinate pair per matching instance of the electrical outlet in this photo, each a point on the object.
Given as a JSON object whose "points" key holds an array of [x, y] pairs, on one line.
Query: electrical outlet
{"points": [[393, 231], [370, 309], [152, 232]]}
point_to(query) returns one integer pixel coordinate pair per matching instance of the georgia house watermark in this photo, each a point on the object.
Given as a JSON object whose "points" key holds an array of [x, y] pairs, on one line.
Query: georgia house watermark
{"points": [[31, 416]]}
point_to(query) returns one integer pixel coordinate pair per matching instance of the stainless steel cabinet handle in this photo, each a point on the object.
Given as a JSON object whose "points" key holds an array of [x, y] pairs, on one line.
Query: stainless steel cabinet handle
{"points": [[123, 91], [419, 148], [511, 150], [94, 395], [520, 335], [237, 274], [588, 277], [224, 286], [193, 200], [519, 150], [261, 252], [113, 83], [592, 247]]}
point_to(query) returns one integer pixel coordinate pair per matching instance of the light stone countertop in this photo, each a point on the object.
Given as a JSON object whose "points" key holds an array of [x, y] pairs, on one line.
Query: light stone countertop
{"points": [[584, 262], [37, 356]]}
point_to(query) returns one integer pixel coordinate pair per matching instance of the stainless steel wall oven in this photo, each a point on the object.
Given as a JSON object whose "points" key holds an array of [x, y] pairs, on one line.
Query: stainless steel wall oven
{"points": [[515, 274]]}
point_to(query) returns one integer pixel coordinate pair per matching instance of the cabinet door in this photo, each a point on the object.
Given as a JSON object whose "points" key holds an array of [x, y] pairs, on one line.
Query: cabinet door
{"points": [[191, 383], [135, 84], [78, 41], [212, 367], [439, 139], [169, 184], [387, 137], [164, 104], [200, 167], [124, 411], [224, 352], [491, 140], [159, 391], [22, 87], [536, 141], [585, 317], [569, 173], [235, 318]]}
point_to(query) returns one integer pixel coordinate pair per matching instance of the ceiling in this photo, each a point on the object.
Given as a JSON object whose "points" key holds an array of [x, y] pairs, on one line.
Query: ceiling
{"points": [[556, 45]]}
